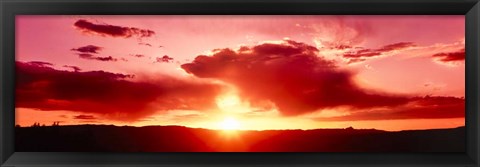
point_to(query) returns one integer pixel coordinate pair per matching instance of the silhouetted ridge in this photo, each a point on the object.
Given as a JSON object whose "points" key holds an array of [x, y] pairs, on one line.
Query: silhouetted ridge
{"points": [[110, 138]]}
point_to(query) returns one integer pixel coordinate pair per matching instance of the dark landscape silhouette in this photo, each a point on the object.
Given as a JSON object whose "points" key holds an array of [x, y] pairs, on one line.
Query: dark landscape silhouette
{"points": [[109, 138]]}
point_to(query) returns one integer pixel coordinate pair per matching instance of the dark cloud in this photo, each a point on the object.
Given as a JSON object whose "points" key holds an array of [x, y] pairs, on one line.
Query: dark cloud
{"points": [[108, 58], [111, 95], [74, 68], [88, 49], [86, 56], [420, 108], [164, 59], [342, 47], [146, 44], [451, 56], [112, 30], [84, 117], [290, 75], [41, 63], [361, 54], [396, 46], [93, 57], [86, 52], [138, 55], [355, 60]]}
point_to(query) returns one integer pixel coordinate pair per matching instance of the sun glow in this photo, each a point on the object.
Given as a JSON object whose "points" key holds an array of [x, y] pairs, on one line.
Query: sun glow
{"points": [[228, 102], [229, 123]]}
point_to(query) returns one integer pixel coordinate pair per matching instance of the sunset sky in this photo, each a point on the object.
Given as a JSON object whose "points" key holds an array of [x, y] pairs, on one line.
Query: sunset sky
{"points": [[242, 72]]}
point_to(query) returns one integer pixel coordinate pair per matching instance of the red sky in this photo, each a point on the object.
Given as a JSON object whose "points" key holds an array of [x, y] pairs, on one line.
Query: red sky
{"points": [[242, 72]]}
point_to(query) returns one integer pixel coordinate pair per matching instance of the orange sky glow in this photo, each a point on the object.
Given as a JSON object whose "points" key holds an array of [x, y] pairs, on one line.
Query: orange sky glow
{"points": [[242, 72]]}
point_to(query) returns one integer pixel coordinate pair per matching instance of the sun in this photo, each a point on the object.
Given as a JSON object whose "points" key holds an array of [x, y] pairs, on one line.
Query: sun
{"points": [[229, 123]]}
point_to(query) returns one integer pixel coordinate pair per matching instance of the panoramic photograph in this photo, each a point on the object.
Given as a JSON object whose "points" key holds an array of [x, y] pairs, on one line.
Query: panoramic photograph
{"points": [[240, 83]]}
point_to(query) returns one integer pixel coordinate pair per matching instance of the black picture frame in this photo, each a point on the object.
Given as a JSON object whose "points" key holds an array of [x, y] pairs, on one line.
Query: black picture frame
{"points": [[10, 8]]}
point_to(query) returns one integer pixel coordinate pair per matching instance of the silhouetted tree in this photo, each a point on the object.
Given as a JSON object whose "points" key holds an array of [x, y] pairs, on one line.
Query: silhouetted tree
{"points": [[36, 124]]}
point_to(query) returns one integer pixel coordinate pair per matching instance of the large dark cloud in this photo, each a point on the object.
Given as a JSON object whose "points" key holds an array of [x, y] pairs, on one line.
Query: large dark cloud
{"points": [[88, 49], [114, 96], [419, 108], [112, 30], [451, 56], [296, 80], [290, 75]]}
